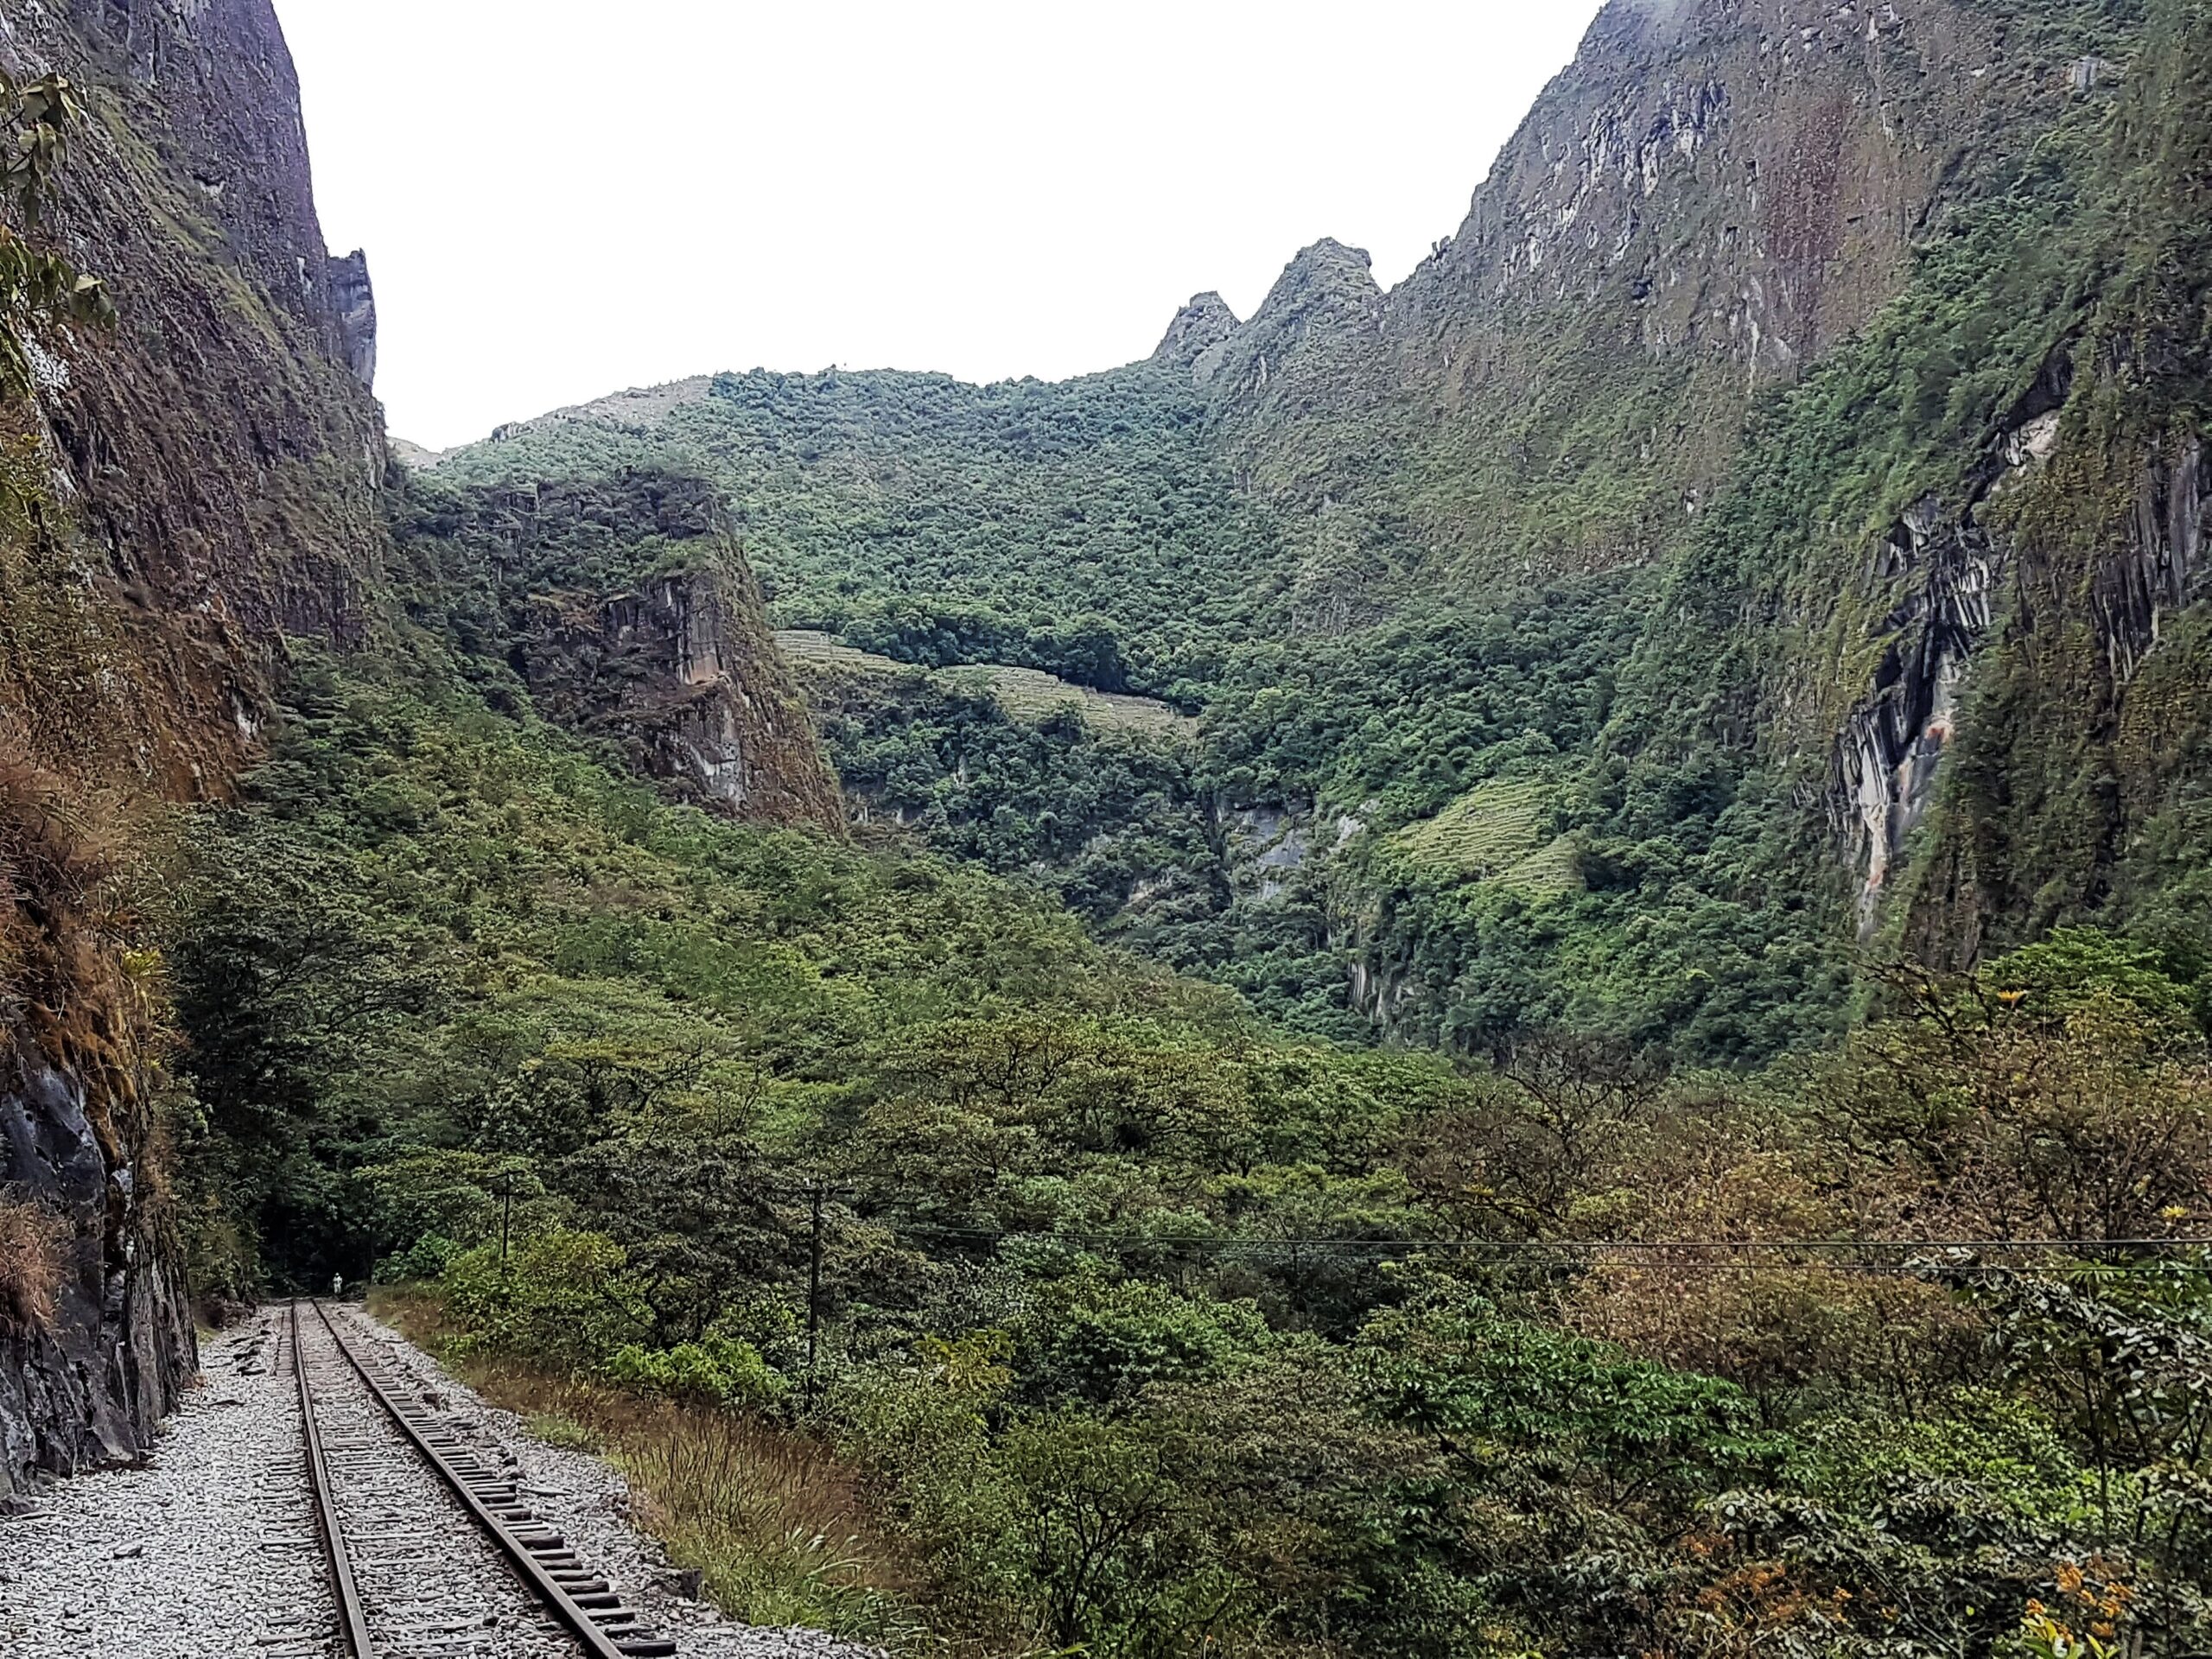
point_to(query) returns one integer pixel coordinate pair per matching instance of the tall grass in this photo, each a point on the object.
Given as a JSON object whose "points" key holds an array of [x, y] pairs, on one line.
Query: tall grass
{"points": [[778, 1529], [31, 1266], [775, 1525]]}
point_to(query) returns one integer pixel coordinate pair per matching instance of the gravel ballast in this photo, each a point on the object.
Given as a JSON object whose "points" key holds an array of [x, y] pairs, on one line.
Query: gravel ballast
{"points": [[210, 1550], [590, 1504]]}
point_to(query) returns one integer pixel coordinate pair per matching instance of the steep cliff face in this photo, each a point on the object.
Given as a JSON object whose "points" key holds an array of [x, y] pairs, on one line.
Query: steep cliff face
{"points": [[1943, 573], [1711, 197], [2084, 742], [682, 674], [1968, 576], [626, 608], [209, 469], [2080, 782], [1747, 178], [181, 492], [95, 1334], [1826, 270], [85, 1377]]}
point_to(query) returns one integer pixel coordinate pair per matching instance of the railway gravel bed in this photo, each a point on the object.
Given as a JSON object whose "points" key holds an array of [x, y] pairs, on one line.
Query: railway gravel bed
{"points": [[211, 1549], [433, 1585], [590, 1504]]}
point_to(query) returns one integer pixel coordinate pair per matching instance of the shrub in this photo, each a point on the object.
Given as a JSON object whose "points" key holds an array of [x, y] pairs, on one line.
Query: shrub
{"points": [[558, 1295], [426, 1258], [1095, 1339], [713, 1371]]}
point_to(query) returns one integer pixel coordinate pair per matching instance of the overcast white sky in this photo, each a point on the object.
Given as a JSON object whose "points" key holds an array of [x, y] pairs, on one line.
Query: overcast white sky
{"points": [[563, 197]]}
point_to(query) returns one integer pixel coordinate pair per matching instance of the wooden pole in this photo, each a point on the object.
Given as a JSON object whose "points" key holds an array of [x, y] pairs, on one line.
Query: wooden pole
{"points": [[814, 1288]]}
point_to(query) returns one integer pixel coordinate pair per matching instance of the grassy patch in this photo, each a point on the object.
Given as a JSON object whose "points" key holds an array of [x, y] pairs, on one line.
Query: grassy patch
{"points": [[1028, 695], [1552, 871], [1031, 696], [30, 1266], [564, 1432], [780, 1529], [811, 648], [1491, 830]]}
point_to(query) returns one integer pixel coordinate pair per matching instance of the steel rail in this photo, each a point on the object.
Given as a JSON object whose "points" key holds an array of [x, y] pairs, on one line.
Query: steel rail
{"points": [[578, 1621], [342, 1587]]}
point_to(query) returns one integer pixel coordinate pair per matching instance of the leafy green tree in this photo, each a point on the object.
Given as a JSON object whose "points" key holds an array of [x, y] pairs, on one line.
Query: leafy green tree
{"points": [[1096, 1507], [1094, 1339], [303, 994]]}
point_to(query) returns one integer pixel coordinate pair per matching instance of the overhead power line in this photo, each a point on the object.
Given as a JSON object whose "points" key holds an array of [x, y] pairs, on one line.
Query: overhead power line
{"points": [[1530, 1246]]}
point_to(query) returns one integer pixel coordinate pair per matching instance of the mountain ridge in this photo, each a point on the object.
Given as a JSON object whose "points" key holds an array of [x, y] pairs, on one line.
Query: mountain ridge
{"points": [[1722, 230]]}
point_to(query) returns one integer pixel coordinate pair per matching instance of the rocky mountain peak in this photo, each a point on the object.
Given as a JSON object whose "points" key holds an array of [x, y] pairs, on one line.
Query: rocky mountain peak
{"points": [[353, 305], [1327, 271], [1199, 326]]}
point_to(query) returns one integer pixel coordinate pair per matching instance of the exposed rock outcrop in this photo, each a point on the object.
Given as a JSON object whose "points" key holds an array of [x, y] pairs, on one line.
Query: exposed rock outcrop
{"points": [[680, 671], [626, 607], [181, 493], [1199, 326], [1712, 194], [2158, 567], [1721, 179], [209, 469], [1942, 574], [2091, 701], [89, 1386], [354, 299], [1887, 758]]}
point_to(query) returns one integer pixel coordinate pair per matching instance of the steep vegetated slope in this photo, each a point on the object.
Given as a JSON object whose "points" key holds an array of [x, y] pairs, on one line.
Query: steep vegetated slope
{"points": [[1771, 524], [622, 609], [1084, 530], [1877, 232], [1968, 535], [1711, 197], [181, 489], [193, 474], [1890, 234], [1678, 494], [2080, 783]]}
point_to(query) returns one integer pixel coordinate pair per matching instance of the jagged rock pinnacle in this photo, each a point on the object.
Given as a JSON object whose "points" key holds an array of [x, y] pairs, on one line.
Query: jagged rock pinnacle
{"points": [[1198, 328]]}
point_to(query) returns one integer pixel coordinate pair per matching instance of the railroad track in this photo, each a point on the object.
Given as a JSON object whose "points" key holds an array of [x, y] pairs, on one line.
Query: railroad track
{"points": [[434, 1554]]}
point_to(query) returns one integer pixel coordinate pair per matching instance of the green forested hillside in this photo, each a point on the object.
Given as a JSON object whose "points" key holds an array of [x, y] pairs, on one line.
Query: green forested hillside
{"points": [[1083, 528], [1737, 737], [1627, 1087], [1141, 1326]]}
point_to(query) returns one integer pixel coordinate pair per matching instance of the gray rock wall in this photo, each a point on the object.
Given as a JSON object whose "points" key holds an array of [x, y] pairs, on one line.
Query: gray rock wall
{"points": [[209, 475], [91, 1387]]}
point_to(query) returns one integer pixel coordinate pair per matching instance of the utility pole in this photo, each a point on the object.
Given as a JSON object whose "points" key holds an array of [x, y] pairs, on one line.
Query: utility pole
{"points": [[814, 1288]]}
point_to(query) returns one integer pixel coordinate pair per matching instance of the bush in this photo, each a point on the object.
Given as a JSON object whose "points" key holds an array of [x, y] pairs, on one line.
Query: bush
{"points": [[1090, 1339], [713, 1371], [557, 1295], [427, 1258]]}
